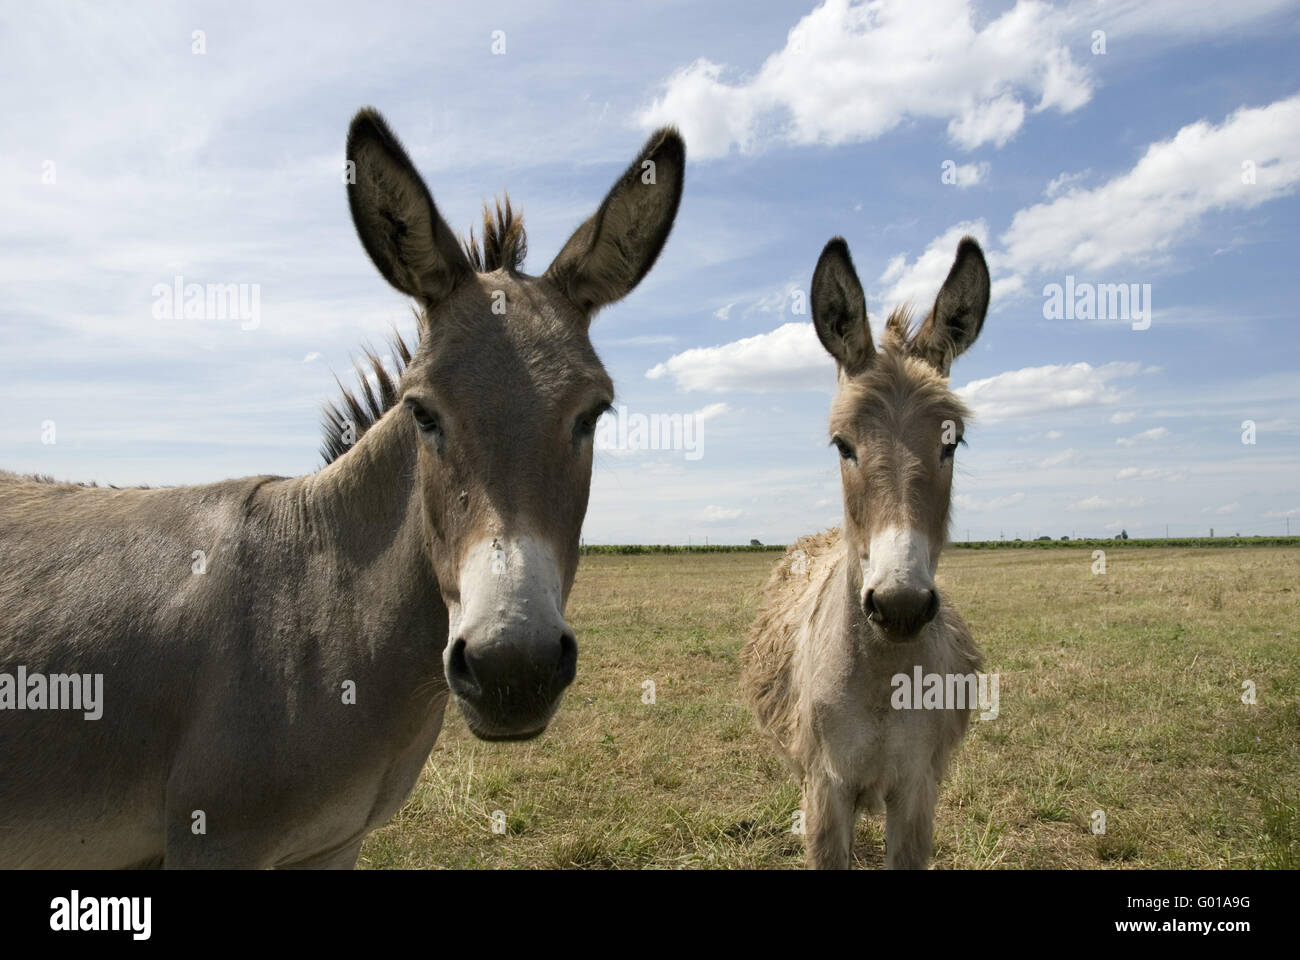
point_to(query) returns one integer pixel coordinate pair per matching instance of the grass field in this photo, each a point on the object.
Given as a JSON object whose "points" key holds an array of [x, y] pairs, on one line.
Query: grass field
{"points": [[1120, 692]]}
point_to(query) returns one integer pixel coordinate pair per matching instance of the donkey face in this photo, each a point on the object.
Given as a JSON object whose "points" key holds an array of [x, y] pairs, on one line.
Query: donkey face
{"points": [[897, 426], [502, 398]]}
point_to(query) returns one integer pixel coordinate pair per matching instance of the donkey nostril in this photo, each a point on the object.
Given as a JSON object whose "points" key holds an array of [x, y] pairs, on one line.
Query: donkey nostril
{"points": [[459, 673], [901, 608], [566, 668], [931, 607]]}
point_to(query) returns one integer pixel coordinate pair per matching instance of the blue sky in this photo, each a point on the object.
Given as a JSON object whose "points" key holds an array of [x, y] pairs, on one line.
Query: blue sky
{"points": [[130, 160]]}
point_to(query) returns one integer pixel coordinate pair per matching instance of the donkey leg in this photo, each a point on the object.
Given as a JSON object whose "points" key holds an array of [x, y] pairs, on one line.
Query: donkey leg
{"points": [[829, 815], [190, 850], [909, 824], [206, 826], [340, 858], [199, 837]]}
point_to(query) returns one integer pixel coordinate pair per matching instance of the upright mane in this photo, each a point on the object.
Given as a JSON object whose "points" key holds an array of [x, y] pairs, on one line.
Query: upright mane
{"points": [[504, 242], [350, 416], [504, 245], [899, 329]]}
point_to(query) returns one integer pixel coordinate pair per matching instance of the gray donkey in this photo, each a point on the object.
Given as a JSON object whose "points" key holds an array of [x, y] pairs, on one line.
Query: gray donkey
{"points": [[847, 613], [271, 700]]}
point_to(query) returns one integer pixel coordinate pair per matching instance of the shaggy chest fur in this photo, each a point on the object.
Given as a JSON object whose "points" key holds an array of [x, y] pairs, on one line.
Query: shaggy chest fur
{"points": [[822, 688], [846, 724]]}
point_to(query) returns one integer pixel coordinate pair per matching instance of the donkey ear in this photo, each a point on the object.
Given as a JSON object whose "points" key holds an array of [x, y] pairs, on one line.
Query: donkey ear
{"points": [[840, 310], [394, 214], [609, 254], [958, 314]]}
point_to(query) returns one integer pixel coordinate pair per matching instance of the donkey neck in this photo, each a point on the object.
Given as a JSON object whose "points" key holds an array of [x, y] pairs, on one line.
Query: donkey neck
{"points": [[353, 534], [376, 475], [364, 514], [368, 496]]}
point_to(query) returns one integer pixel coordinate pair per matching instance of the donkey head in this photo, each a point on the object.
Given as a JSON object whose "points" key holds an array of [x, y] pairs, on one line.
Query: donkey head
{"points": [[897, 426], [502, 398]]}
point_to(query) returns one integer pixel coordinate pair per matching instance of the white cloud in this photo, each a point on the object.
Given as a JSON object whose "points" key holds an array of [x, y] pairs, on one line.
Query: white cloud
{"points": [[918, 282], [311, 356], [1228, 508], [711, 412], [1064, 181], [1054, 434], [1135, 18], [1092, 503], [1037, 390], [1123, 416], [712, 514], [1276, 425], [1103, 503], [1175, 182], [993, 121], [711, 115], [641, 340], [1155, 433], [967, 502], [1147, 209], [1058, 459], [1150, 473], [724, 313], [775, 302], [788, 358], [969, 174], [854, 71]]}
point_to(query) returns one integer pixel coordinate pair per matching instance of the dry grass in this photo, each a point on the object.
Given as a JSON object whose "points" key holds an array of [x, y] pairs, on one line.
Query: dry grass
{"points": [[1119, 692]]}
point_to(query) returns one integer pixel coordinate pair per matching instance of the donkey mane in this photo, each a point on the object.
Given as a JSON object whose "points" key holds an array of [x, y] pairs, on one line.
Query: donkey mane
{"points": [[899, 328], [901, 381], [770, 645], [353, 414], [8, 476], [504, 242], [902, 377], [504, 246]]}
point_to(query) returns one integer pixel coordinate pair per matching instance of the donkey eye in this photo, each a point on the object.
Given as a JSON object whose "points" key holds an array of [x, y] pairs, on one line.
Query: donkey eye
{"points": [[585, 425], [846, 452], [426, 421], [949, 449]]}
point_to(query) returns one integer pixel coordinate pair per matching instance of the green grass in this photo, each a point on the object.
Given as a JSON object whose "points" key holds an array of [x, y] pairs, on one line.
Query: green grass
{"points": [[1120, 692], [1106, 544], [638, 549]]}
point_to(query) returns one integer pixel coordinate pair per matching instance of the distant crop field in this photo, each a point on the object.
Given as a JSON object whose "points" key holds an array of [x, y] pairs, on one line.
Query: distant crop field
{"points": [[634, 549], [1120, 692], [1147, 542]]}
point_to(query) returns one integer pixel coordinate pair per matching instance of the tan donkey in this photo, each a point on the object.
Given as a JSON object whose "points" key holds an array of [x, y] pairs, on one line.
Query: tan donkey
{"points": [[848, 612]]}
